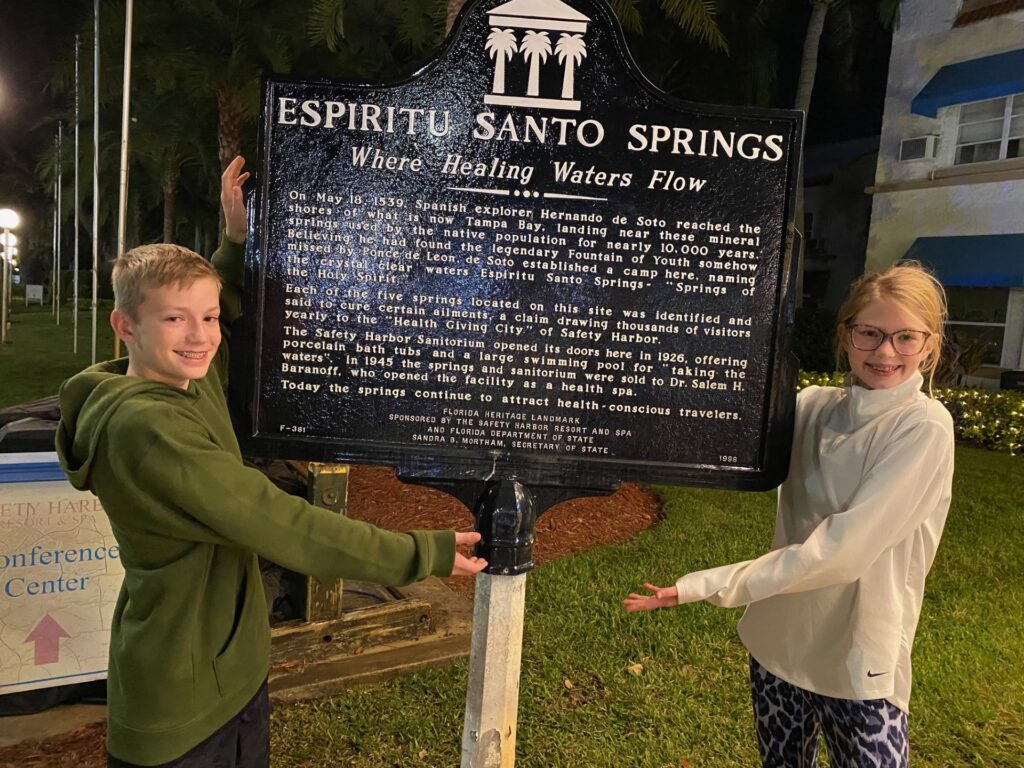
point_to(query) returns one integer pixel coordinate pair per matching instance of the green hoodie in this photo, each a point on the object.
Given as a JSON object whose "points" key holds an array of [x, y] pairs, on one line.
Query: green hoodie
{"points": [[190, 639]]}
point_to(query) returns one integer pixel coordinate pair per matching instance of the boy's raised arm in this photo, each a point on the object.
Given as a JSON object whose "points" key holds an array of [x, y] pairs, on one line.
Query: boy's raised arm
{"points": [[229, 258]]}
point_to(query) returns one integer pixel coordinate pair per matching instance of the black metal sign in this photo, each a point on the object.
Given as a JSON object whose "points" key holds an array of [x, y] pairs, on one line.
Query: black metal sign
{"points": [[523, 262]]}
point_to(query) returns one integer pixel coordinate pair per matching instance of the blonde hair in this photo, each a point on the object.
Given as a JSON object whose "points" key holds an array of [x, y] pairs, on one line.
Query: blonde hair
{"points": [[916, 290], [154, 266]]}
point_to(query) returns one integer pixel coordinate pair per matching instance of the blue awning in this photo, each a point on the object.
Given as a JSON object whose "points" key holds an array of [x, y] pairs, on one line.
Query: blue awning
{"points": [[979, 261], [976, 80]]}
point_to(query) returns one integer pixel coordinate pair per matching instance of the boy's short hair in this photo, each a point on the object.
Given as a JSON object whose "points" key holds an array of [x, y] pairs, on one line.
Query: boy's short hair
{"points": [[154, 266]]}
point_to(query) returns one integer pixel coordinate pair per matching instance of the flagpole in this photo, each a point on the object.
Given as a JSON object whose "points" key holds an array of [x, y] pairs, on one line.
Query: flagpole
{"points": [[60, 202], [122, 207], [74, 346], [53, 272], [95, 172]]}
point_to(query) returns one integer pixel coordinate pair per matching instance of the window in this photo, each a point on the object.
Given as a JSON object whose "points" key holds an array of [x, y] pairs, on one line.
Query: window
{"points": [[991, 130], [979, 314], [919, 148]]}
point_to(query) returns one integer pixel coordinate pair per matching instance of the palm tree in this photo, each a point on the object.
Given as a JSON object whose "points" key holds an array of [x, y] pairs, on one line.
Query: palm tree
{"points": [[695, 17], [571, 50], [888, 13], [501, 45], [536, 48], [452, 8]]}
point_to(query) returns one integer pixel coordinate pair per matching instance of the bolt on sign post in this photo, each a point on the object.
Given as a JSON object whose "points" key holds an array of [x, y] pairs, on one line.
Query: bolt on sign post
{"points": [[522, 275]]}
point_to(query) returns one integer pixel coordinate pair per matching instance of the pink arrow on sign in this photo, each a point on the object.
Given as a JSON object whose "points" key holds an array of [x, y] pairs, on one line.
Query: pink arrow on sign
{"points": [[46, 636]]}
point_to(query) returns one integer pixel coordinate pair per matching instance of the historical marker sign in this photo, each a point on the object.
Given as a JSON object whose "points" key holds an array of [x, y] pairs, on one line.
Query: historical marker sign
{"points": [[524, 260]]}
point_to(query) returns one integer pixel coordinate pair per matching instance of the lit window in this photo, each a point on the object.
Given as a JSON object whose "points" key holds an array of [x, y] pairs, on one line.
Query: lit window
{"points": [[991, 130], [978, 315]]}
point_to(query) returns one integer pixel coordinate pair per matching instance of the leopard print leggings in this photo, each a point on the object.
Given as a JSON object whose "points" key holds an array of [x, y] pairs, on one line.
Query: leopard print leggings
{"points": [[789, 720]]}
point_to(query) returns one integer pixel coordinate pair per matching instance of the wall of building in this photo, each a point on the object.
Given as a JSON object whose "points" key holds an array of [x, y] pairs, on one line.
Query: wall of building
{"points": [[961, 205], [923, 43]]}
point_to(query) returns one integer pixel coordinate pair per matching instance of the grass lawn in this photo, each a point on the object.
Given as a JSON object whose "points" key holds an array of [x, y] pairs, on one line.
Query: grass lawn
{"points": [[580, 706], [40, 355]]}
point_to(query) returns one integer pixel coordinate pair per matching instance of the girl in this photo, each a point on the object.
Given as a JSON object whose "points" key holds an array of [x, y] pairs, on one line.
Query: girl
{"points": [[832, 609]]}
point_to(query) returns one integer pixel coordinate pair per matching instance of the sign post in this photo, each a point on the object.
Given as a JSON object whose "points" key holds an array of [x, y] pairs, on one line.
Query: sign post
{"points": [[520, 276]]}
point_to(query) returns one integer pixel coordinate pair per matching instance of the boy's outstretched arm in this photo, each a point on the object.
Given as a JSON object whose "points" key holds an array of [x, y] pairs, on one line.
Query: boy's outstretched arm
{"points": [[232, 200], [660, 597]]}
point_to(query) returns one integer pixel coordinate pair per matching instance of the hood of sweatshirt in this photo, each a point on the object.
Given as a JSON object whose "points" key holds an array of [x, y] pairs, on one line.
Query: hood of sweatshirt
{"points": [[87, 402]]}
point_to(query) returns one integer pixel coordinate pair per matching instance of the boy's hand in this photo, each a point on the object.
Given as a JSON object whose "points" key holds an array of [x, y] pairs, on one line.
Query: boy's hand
{"points": [[233, 201], [660, 597], [467, 566]]}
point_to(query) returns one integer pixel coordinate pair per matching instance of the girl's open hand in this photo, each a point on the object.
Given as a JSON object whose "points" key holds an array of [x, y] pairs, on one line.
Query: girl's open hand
{"points": [[660, 597]]}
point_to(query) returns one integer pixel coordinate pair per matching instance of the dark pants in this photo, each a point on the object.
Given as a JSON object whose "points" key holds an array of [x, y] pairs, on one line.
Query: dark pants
{"points": [[789, 721], [242, 742]]}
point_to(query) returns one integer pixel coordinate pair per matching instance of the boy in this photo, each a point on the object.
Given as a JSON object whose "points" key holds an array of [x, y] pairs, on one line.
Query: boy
{"points": [[151, 437]]}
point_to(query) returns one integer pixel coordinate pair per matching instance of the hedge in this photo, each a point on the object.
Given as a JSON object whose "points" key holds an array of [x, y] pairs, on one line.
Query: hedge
{"points": [[992, 420]]}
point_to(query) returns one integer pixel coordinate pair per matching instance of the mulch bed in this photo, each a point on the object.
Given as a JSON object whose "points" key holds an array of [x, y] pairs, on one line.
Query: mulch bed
{"points": [[377, 496]]}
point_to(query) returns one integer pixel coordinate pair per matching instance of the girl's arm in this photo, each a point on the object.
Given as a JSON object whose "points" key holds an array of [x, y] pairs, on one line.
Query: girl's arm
{"points": [[910, 480]]}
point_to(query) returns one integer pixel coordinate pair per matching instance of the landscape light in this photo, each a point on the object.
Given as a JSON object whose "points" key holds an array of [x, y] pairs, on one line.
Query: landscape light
{"points": [[9, 218]]}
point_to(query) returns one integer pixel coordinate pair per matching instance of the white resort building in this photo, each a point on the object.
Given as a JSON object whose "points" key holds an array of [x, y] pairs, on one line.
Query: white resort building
{"points": [[949, 187]]}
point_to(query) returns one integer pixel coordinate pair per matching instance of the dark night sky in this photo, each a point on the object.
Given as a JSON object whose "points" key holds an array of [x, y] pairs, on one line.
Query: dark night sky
{"points": [[31, 35], [34, 32]]}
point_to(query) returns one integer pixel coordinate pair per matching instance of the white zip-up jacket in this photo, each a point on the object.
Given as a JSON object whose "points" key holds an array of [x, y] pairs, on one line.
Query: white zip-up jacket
{"points": [[834, 606]]}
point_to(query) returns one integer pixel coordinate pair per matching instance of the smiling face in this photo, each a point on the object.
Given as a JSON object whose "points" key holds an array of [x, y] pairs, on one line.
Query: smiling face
{"points": [[174, 334], [884, 368]]}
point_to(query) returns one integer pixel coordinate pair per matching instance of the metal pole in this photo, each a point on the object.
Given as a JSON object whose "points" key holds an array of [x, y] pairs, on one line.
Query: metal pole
{"points": [[95, 172], [3, 289], [53, 271], [506, 517], [74, 346], [60, 203], [122, 207]]}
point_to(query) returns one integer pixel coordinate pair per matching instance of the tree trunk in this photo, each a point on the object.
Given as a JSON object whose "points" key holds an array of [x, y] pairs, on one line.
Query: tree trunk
{"points": [[134, 223], [454, 6], [805, 87], [230, 121], [533, 85], [170, 186], [499, 74], [809, 65], [568, 77]]}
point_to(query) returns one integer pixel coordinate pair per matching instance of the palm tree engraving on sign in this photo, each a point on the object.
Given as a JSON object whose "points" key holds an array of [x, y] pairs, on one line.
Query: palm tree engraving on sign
{"points": [[539, 19], [535, 49], [571, 50], [502, 46]]}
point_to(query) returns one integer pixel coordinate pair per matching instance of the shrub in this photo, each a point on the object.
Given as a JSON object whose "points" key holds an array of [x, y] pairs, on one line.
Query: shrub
{"points": [[993, 420]]}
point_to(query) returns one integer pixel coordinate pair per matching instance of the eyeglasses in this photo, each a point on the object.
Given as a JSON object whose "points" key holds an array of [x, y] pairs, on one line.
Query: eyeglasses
{"points": [[867, 338]]}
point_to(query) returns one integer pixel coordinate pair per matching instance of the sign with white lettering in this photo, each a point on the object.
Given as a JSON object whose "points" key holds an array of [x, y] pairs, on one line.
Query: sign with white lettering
{"points": [[524, 261], [60, 574]]}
